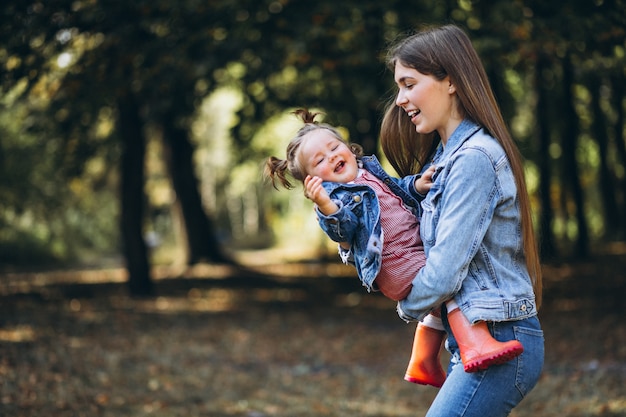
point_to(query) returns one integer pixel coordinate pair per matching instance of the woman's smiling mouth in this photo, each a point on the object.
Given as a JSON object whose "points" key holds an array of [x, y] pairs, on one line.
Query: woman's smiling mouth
{"points": [[413, 114]]}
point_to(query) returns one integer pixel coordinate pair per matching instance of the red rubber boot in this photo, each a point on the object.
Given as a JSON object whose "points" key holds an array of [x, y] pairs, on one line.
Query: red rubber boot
{"points": [[425, 363], [479, 350]]}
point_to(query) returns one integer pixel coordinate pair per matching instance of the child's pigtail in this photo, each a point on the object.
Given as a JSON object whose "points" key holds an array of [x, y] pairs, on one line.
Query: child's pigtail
{"points": [[306, 116], [276, 169], [356, 149]]}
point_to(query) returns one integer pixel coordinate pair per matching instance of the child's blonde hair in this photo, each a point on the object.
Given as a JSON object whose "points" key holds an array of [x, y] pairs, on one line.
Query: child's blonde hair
{"points": [[277, 169]]}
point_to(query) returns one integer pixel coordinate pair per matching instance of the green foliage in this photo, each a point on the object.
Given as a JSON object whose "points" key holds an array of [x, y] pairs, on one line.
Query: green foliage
{"points": [[65, 65], [46, 215]]}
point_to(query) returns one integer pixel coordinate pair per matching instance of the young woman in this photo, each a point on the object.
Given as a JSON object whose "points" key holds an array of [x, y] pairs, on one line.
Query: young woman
{"points": [[375, 219], [476, 222]]}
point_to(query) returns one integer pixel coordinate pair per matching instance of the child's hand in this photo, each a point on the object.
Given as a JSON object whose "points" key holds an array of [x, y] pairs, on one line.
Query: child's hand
{"points": [[424, 183], [314, 191]]}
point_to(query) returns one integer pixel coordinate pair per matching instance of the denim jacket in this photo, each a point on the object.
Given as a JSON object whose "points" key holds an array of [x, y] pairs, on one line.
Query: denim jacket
{"points": [[358, 219], [472, 234]]}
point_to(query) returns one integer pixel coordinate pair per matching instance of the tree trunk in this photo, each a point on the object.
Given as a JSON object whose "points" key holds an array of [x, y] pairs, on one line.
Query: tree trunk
{"points": [[607, 186], [569, 144], [617, 91], [202, 242], [132, 198], [546, 244]]}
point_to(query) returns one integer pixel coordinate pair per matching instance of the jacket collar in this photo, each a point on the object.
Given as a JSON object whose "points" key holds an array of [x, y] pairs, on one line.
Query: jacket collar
{"points": [[463, 132]]}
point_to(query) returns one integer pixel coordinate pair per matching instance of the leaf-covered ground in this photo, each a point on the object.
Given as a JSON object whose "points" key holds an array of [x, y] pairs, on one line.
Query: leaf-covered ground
{"points": [[73, 344]]}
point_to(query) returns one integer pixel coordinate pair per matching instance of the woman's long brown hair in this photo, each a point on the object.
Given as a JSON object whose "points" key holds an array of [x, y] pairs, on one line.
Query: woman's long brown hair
{"points": [[441, 52]]}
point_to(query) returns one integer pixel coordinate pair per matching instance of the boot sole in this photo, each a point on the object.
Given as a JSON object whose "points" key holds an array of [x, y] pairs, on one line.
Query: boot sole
{"points": [[422, 382], [499, 358]]}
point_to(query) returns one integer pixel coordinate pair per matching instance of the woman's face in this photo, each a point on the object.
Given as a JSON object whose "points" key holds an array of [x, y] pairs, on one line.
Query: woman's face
{"points": [[430, 103], [323, 155]]}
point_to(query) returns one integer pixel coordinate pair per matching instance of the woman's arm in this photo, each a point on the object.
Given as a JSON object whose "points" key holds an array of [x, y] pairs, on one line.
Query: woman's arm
{"points": [[455, 219]]}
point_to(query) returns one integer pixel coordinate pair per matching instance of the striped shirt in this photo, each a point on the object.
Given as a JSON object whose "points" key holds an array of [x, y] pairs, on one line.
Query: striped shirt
{"points": [[403, 251]]}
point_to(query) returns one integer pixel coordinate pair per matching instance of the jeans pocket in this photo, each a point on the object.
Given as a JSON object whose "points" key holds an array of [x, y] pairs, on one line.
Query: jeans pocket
{"points": [[529, 363]]}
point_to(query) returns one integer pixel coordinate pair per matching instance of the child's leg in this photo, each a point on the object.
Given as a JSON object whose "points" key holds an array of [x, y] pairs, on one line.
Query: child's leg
{"points": [[425, 363], [478, 348]]}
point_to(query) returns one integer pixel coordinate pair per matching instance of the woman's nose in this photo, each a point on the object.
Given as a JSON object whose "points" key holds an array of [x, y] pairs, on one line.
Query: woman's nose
{"points": [[400, 99]]}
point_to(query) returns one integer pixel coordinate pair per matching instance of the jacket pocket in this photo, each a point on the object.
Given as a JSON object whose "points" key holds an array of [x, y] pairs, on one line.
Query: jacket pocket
{"points": [[430, 216]]}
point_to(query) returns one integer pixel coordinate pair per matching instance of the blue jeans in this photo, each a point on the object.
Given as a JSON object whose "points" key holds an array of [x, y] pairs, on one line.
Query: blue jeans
{"points": [[495, 391]]}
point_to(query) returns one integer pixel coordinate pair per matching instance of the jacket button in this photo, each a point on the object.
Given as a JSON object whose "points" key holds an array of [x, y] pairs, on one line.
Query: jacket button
{"points": [[356, 198], [523, 307]]}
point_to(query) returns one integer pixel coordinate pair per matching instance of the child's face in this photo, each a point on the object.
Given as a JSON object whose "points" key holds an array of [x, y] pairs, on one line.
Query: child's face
{"points": [[325, 156]]}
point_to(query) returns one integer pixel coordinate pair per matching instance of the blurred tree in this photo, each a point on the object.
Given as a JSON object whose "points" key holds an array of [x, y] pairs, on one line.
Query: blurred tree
{"points": [[563, 61], [137, 58], [132, 197], [327, 55], [547, 245], [570, 168], [600, 126], [99, 76], [617, 88]]}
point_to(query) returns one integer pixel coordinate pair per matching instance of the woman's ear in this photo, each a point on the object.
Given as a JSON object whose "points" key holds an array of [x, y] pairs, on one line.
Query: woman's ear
{"points": [[451, 86]]}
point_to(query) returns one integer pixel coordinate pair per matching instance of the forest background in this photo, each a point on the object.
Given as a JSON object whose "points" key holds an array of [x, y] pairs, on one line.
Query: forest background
{"points": [[148, 268], [135, 132]]}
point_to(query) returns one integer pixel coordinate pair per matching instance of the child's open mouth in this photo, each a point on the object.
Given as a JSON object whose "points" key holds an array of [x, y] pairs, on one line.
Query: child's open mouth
{"points": [[339, 166]]}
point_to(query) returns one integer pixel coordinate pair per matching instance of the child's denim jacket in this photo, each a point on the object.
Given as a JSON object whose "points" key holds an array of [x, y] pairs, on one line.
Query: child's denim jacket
{"points": [[358, 219], [472, 234]]}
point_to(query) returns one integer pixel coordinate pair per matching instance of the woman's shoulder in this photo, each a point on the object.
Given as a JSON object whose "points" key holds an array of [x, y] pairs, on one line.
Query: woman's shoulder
{"points": [[484, 142]]}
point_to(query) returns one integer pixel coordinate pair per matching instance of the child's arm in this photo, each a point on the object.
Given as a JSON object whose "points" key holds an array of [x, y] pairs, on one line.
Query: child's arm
{"points": [[314, 191]]}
